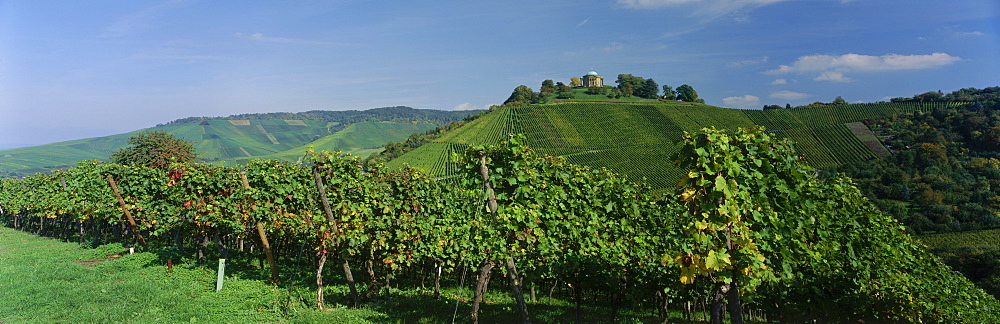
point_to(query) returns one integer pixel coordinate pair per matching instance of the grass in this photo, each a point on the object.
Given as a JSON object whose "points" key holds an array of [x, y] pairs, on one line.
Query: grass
{"points": [[579, 95], [44, 280]]}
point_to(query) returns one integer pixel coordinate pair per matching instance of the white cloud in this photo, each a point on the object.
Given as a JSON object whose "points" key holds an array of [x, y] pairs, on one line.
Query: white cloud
{"points": [[832, 68], [833, 76], [614, 46], [778, 81], [705, 8], [742, 101], [858, 62], [648, 4], [748, 62], [285, 40], [789, 95], [584, 22], [972, 33]]}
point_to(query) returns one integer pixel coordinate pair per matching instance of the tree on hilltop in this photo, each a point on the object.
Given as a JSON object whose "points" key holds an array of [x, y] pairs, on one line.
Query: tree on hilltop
{"points": [[522, 95], [687, 93], [626, 84], [563, 91], [631, 85], [575, 82], [647, 89], [548, 88], [669, 93], [155, 149]]}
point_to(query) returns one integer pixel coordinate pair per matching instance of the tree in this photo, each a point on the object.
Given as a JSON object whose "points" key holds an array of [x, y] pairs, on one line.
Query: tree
{"points": [[614, 93], [687, 93], [548, 87], [669, 93], [522, 95], [155, 149], [770, 107], [575, 82], [628, 84], [563, 91], [563, 88], [839, 101], [647, 89]]}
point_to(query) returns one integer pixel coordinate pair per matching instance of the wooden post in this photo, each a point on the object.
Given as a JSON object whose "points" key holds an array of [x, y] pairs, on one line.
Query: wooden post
{"points": [[128, 215], [336, 230], [515, 281], [263, 236]]}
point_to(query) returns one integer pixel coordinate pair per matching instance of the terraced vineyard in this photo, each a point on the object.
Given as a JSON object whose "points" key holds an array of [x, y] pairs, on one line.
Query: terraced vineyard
{"points": [[637, 140]]}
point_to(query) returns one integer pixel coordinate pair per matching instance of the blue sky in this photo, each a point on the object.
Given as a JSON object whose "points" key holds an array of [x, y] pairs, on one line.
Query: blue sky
{"points": [[75, 69]]}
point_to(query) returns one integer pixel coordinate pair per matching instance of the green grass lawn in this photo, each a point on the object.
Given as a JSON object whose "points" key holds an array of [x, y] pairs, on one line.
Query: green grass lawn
{"points": [[44, 280]]}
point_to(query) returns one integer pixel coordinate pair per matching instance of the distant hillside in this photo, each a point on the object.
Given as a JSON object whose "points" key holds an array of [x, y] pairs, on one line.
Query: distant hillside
{"points": [[638, 139], [233, 139]]}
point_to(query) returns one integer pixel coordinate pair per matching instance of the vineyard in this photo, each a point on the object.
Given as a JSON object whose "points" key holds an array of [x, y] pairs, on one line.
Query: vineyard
{"points": [[538, 223], [988, 239], [637, 140]]}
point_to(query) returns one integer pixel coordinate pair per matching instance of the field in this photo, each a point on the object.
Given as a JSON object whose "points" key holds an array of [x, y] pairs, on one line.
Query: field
{"points": [[637, 140]]}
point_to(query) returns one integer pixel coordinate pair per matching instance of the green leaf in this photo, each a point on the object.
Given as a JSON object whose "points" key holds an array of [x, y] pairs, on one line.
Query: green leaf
{"points": [[717, 260]]}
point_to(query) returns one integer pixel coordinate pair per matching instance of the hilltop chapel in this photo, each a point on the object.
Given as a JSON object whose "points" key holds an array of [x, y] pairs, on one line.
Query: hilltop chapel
{"points": [[592, 79]]}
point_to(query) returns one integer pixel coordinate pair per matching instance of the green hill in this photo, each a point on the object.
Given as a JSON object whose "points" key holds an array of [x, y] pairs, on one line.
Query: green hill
{"points": [[235, 139], [638, 139]]}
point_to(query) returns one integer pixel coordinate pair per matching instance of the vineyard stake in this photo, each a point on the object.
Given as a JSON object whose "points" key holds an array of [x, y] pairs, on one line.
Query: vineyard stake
{"points": [[263, 236], [222, 273], [515, 282], [131, 221], [321, 188]]}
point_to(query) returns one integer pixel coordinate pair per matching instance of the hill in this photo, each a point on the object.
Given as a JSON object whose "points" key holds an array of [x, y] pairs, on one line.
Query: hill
{"points": [[637, 140], [238, 138]]}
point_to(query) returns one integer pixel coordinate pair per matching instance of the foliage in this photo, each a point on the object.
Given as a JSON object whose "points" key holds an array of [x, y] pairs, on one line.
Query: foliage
{"points": [[630, 85], [758, 216], [687, 93], [547, 89], [575, 82], [522, 95], [974, 253], [669, 93], [943, 175], [155, 149]]}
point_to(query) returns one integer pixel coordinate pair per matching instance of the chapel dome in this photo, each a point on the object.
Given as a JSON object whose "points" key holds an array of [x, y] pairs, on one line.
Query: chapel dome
{"points": [[592, 72]]}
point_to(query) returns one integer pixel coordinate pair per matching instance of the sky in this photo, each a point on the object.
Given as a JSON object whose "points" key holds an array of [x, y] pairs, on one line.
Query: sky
{"points": [[77, 69]]}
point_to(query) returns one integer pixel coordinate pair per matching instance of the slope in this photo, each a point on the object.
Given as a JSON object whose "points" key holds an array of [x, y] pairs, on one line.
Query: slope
{"points": [[637, 140], [238, 138]]}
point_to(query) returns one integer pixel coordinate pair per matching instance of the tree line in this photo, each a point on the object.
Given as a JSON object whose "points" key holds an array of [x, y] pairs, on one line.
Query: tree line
{"points": [[628, 86]]}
